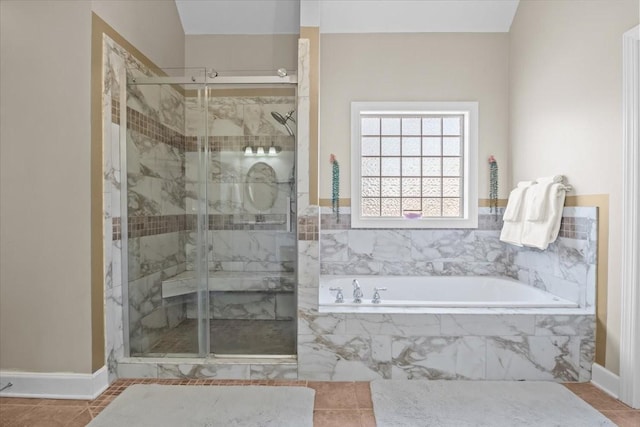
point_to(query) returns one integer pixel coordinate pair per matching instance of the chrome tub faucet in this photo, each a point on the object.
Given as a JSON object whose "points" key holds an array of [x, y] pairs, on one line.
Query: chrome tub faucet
{"points": [[376, 295], [339, 296], [357, 292]]}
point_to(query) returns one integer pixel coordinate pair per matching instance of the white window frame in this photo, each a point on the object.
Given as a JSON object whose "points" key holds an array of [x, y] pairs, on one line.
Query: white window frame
{"points": [[469, 110]]}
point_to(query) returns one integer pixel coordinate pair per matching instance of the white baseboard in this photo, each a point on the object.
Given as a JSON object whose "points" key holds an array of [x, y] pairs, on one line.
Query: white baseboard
{"points": [[54, 385], [605, 380]]}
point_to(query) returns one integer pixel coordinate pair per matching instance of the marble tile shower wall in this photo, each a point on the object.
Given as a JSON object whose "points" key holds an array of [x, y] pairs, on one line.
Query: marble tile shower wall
{"points": [[165, 368], [155, 156], [242, 237], [501, 346]]}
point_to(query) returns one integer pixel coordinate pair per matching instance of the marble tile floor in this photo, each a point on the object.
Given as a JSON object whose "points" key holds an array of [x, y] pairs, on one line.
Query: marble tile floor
{"points": [[337, 404], [231, 337]]}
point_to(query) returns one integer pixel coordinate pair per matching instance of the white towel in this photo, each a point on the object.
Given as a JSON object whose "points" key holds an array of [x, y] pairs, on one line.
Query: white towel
{"points": [[512, 232], [514, 214], [513, 211], [539, 234], [537, 209]]}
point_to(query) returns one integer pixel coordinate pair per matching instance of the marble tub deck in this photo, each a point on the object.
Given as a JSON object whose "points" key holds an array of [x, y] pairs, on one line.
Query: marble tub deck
{"points": [[337, 404]]}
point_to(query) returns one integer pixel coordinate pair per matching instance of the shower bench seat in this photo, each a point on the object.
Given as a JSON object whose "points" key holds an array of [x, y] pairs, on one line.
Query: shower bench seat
{"points": [[230, 281]]}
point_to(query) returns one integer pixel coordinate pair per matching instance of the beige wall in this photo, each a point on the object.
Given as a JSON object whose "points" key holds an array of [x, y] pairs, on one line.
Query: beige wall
{"points": [[45, 195], [264, 52], [566, 117], [154, 27], [413, 67], [45, 73]]}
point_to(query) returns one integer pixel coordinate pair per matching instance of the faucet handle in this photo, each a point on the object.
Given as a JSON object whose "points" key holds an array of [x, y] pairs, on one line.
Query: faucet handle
{"points": [[376, 295], [339, 296], [355, 284]]}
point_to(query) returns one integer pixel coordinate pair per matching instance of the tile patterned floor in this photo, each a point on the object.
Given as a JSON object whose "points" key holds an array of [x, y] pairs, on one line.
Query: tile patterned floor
{"points": [[230, 336], [337, 404]]}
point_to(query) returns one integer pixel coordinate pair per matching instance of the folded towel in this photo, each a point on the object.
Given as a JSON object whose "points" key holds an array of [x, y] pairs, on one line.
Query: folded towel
{"points": [[537, 209], [553, 179], [512, 232], [514, 214], [516, 201], [539, 234]]}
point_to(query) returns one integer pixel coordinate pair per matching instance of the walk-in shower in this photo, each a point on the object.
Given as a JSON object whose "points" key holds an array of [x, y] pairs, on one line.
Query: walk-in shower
{"points": [[210, 253]]}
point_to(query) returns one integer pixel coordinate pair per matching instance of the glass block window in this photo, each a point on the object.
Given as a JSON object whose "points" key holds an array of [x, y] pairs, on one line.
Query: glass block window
{"points": [[413, 166]]}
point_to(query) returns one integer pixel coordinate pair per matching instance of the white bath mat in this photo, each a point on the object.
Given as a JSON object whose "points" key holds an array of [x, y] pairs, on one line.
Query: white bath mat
{"points": [[415, 403], [155, 405]]}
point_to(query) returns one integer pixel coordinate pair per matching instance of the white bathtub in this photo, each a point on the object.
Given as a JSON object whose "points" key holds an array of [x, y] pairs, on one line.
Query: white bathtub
{"points": [[405, 294]]}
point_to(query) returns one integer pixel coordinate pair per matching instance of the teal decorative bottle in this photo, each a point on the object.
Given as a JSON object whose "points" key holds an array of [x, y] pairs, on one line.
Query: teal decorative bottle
{"points": [[335, 186], [493, 186]]}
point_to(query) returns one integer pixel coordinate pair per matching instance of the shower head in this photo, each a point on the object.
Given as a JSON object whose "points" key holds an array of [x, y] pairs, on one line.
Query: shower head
{"points": [[284, 119], [279, 117]]}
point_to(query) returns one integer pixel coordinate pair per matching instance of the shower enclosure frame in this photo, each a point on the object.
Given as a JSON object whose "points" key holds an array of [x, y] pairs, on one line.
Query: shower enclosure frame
{"points": [[209, 79]]}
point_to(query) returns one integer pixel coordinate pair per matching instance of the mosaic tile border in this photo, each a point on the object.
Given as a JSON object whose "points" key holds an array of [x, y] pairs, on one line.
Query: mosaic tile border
{"points": [[575, 228], [141, 226], [570, 227], [151, 128], [147, 126], [308, 228]]}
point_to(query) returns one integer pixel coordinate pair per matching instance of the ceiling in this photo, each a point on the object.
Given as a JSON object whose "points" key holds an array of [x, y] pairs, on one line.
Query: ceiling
{"points": [[346, 16], [239, 16]]}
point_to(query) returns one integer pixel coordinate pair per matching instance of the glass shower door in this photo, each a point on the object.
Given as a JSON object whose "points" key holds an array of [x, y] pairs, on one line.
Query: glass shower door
{"points": [[165, 187], [251, 193], [210, 195]]}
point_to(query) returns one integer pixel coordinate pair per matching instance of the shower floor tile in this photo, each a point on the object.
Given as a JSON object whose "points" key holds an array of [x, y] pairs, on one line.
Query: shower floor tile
{"points": [[232, 337]]}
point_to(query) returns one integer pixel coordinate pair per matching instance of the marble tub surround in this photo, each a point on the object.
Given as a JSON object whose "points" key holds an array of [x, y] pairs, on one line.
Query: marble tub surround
{"points": [[345, 347], [497, 344], [436, 294], [410, 252], [567, 268]]}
